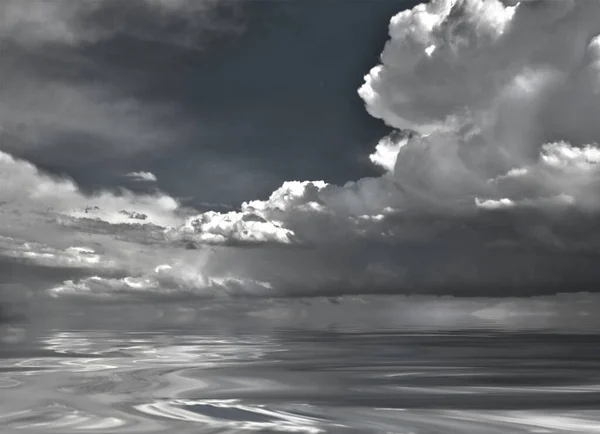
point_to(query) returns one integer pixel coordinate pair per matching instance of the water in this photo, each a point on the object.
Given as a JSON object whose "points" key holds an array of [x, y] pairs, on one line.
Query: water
{"points": [[222, 375]]}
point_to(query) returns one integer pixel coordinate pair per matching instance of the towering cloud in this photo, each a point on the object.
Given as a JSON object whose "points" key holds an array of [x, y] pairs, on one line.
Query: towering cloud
{"points": [[502, 164], [493, 91], [492, 185]]}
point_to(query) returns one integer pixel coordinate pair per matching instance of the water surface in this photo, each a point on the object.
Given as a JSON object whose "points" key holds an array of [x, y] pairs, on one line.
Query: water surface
{"points": [[250, 375]]}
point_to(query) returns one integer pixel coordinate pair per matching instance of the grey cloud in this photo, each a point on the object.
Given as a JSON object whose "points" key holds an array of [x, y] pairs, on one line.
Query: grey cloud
{"points": [[562, 313], [57, 100], [48, 222], [26, 189], [483, 197], [157, 287], [39, 254], [72, 22], [34, 22], [95, 118]]}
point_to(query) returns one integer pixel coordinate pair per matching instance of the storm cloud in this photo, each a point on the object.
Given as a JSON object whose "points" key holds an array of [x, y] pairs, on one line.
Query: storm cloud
{"points": [[490, 185]]}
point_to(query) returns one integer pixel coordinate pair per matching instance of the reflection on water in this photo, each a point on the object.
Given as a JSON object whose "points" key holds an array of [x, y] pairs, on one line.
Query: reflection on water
{"points": [[311, 381], [353, 365]]}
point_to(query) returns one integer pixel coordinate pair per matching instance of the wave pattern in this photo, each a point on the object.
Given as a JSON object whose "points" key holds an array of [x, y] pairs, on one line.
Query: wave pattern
{"points": [[301, 381]]}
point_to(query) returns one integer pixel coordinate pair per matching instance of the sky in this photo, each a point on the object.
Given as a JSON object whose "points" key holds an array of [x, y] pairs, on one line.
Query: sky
{"points": [[189, 149], [249, 93]]}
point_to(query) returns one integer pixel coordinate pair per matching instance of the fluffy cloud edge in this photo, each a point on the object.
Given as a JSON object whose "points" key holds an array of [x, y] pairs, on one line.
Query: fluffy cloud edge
{"points": [[142, 176]]}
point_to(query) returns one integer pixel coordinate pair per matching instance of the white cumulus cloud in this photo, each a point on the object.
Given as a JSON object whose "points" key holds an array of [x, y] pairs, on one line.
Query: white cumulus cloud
{"points": [[142, 176]]}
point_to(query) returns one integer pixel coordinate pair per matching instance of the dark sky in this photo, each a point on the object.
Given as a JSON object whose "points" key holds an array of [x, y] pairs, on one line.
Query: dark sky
{"points": [[274, 99]]}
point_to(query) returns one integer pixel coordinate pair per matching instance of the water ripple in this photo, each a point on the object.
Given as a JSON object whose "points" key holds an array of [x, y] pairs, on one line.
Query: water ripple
{"points": [[301, 381]]}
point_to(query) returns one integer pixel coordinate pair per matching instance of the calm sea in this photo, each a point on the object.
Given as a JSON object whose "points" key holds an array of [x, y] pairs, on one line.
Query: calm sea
{"points": [[294, 367]]}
